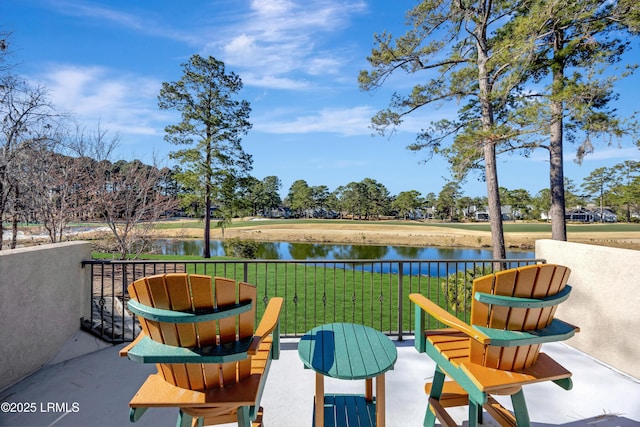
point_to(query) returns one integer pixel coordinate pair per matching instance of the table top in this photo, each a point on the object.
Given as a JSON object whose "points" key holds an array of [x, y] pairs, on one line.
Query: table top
{"points": [[347, 351]]}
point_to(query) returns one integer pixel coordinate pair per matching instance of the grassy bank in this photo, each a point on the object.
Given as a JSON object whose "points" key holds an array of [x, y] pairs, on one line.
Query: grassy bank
{"points": [[509, 227]]}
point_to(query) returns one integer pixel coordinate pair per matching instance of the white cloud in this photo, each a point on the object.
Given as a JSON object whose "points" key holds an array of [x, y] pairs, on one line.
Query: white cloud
{"points": [[242, 46], [86, 10], [273, 82], [138, 20], [344, 121], [271, 7], [321, 66], [347, 121], [121, 103], [283, 39], [609, 153]]}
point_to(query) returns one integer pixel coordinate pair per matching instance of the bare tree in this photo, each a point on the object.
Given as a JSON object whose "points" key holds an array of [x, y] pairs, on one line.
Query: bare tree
{"points": [[5, 52], [26, 118], [128, 197], [59, 189]]}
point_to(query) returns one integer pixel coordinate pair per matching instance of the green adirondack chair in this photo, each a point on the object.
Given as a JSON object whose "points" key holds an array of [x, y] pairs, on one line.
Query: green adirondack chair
{"points": [[212, 365], [512, 315]]}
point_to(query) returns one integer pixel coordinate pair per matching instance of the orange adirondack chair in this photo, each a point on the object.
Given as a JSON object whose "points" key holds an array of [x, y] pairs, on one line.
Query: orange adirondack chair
{"points": [[512, 315], [211, 363]]}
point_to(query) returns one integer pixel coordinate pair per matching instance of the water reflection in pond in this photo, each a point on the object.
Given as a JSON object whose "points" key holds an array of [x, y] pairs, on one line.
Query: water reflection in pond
{"points": [[326, 251]]}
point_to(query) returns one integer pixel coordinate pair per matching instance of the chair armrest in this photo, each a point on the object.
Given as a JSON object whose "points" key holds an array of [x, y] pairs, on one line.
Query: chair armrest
{"points": [[150, 351], [447, 318], [124, 351], [268, 323], [556, 331]]}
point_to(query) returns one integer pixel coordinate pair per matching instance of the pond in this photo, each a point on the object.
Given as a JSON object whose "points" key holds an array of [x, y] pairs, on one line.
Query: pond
{"points": [[327, 251]]}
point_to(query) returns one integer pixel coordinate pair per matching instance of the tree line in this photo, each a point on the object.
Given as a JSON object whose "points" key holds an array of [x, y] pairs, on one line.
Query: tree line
{"points": [[616, 188], [524, 74]]}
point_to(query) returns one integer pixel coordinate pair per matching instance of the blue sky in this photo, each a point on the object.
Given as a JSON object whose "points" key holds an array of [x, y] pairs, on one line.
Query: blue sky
{"points": [[105, 61]]}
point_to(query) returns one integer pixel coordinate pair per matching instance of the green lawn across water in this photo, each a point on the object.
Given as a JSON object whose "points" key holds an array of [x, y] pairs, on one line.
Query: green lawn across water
{"points": [[509, 227], [546, 228]]}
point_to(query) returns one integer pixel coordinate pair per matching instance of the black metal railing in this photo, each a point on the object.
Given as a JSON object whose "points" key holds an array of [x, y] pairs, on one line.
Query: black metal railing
{"points": [[370, 292]]}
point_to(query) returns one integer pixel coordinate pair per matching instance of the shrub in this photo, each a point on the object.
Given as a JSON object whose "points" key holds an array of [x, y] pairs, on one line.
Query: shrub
{"points": [[241, 248], [457, 287]]}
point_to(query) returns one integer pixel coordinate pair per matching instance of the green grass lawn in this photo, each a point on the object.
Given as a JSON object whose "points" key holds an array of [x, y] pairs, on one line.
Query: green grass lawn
{"points": [[524, 227], [546, 228], [315, 294]]}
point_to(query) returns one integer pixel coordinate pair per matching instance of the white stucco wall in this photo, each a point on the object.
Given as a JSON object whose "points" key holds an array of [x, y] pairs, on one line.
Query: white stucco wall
{"points": [[43, 295], [605, 301]]}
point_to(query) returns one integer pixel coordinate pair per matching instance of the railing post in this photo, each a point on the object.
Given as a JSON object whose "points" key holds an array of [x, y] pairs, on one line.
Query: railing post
{"points": [[400, 298]]}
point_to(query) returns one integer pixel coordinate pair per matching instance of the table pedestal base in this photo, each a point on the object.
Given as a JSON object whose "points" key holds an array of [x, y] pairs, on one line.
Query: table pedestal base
{"points": [[341, 410]]}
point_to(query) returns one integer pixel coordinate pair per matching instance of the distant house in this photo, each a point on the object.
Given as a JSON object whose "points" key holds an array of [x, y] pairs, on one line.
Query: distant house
{"points": [[422, 213], [591, 214], [579, 215], [483, 215], [277, 213], [507, 213], [326, 214], [428, 212], [605, 215]]}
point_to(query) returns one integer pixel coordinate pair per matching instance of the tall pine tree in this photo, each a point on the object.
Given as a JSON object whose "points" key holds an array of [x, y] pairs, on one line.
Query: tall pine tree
{"points": [[213, 123]]}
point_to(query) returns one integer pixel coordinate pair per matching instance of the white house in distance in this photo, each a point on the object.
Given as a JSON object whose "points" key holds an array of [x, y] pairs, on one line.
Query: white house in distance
{"points": [[587, 214], [590, 214], [508, 214]]}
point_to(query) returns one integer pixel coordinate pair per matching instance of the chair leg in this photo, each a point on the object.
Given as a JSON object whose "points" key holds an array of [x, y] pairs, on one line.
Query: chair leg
{"points": [[186, 420], [136, 413], [520, 409], [475, 413], [436, 392], [244, 418]]}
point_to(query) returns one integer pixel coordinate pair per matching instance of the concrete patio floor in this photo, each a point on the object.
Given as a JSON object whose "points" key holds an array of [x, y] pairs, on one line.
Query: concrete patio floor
{"points": [[93, 389]]}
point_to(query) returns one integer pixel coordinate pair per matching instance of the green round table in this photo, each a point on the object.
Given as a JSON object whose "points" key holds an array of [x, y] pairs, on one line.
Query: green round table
{"points": [[350, 352]]}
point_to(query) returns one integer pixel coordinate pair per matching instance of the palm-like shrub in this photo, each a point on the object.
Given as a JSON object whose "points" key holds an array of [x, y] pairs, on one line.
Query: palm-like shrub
{"points": [[457, 287]]}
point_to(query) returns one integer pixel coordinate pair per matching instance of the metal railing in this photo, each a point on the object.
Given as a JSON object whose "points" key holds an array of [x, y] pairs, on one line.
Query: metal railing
{"points": [[370, 292]]}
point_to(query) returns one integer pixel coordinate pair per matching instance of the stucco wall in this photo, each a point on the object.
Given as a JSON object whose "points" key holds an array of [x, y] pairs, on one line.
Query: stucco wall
{"points": [[43, 295], [605, 301]]}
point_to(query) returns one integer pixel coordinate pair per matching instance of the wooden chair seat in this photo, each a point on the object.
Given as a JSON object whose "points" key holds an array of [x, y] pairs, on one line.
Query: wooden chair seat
{"points": [[498, 353], [156, 392], [212, 365]]}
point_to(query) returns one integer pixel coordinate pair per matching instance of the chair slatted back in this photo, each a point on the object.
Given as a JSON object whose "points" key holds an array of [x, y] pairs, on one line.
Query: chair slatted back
{"points": [[534, 281], [192, 292]]}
